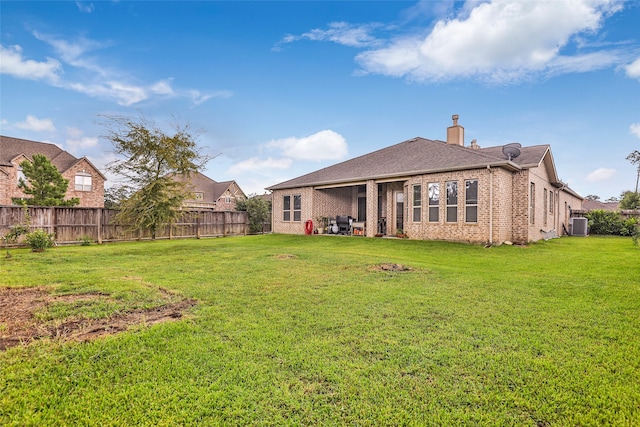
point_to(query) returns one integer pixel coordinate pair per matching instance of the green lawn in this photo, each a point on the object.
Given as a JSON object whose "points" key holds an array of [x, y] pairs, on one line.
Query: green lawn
{"points": [[305, 330]]}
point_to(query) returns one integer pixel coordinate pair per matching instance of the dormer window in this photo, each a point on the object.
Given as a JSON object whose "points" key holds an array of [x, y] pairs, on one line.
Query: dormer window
{"points": [[83, 181], [21, 175]]}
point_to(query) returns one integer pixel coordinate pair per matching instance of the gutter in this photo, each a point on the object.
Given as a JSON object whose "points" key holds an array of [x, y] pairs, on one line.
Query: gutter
{"points": [[490, 205]]}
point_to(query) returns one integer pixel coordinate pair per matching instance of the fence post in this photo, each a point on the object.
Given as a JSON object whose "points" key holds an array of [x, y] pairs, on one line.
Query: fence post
{"points": [[224, 223], [99, 221], [53, 217]]}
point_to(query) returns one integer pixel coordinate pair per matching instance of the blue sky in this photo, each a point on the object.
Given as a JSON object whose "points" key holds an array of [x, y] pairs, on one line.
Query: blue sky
{"points": [[280, 89]]}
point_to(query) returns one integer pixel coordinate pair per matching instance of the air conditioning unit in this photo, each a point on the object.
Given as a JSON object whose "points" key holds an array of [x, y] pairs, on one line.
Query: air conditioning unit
{"points": [[579, 226]]}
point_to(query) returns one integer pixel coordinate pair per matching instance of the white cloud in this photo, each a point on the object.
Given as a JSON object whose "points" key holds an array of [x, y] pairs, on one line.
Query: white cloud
{"points": [[163, 87], [600, 174], [13, 63], [340, 33], [77, 140], [85, 7], [499, 41], [100, 82], [635, 129], [323, 145], [122, 93], [254, 164], [37, 125], [633, 69]]}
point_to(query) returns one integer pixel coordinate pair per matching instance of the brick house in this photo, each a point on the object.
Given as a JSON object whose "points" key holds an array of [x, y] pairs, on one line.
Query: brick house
{"points": [[435, 190], [209, 194], [86, 182]]}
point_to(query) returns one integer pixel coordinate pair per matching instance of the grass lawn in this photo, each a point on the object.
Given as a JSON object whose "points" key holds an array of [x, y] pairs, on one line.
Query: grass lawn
{"points": [[307, 330]]}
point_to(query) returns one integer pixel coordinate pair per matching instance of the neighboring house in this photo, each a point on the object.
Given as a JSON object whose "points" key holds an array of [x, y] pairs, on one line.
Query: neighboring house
{"points": [[209, 194], [437, 191], [592, 205], [86, 182]]}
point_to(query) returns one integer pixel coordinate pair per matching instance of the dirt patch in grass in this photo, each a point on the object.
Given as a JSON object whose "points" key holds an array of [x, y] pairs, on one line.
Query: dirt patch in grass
{"points": [[387, 266], [19, 325], [285, 256]]}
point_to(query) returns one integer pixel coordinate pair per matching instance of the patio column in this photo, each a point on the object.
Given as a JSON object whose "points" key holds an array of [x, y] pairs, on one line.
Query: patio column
{"points": [[372, 208]]}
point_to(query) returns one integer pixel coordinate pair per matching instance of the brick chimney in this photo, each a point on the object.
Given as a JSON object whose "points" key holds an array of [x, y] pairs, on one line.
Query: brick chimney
{"points": [[455, 133]]}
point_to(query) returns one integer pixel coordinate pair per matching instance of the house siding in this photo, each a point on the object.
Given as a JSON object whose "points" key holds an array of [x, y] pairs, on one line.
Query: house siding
{"points": [[90, 199]]}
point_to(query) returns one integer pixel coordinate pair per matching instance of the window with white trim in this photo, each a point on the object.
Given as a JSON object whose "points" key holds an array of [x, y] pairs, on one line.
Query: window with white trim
{"points": [[83, 181], [417, 203], [199, 195], [532, 203], [452, 201], [471, 200], [544, 205], [286, 208], [297, 207], [434, 201], [21, 175]]}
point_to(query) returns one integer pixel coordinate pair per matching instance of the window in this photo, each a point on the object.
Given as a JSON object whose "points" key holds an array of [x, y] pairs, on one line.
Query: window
{"points": [[199, 196], [83, 182], [286, 209], [362, 208], [297, 208], [544, 205], [21, 175], [532, 204], [417, 203], [471, 200], [550, 201], [452, 201], [434, 201]]}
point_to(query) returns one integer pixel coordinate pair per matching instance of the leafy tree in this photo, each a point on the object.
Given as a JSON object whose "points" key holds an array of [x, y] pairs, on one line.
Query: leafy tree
{"points": [[113, 196], [630, 200], [592, 197], [149, 157], [45, 183], [612, 199], [258, 210], [634, 158]]}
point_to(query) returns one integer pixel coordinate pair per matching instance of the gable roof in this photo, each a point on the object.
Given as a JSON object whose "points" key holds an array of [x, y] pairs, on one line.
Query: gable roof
{"points": [[201, 181], [10, 148], [420, 156]]}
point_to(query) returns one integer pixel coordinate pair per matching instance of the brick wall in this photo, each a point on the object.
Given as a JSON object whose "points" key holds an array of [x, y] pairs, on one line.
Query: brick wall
{"points": [[89, 199], [502, 213], [92, 199]]}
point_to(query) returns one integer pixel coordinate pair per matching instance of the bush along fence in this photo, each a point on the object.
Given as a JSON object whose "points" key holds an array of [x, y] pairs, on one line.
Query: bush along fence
{"points": [[71, 225]]}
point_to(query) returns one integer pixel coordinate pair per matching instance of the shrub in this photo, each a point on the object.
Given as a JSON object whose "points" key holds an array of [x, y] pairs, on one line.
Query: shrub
{"points": [[604, 222], [39, 240]]}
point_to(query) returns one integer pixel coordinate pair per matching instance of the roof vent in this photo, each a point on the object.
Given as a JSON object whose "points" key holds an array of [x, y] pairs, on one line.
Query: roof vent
{"points": [[511, 150]]}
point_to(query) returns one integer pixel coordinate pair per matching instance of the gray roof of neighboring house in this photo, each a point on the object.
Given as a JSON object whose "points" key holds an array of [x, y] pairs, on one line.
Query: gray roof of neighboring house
{"points": [[200, 181], [591, 205], [420, 156], [10, 148]]}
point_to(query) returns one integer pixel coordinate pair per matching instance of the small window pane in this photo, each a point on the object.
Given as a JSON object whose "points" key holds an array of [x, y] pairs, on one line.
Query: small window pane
{"points": [[471, 192], [434, 213], [471, 214]]}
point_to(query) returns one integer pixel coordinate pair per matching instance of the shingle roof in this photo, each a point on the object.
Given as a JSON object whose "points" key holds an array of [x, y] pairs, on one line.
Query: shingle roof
{"points": [[416, 156], [10, 148], [201, 181]]}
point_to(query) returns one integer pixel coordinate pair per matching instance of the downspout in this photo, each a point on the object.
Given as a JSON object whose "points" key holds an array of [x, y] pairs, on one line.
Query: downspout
{"points": [[490, 205]]}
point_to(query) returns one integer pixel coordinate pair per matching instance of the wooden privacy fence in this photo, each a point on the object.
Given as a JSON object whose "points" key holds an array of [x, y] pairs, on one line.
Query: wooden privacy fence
{"points": [[73, 225]]}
